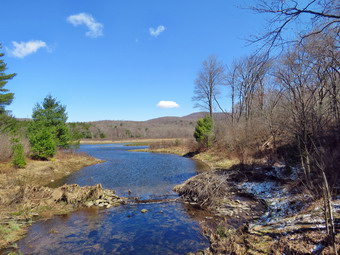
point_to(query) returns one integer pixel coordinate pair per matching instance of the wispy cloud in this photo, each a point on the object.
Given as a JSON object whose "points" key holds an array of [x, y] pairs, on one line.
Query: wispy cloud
{"points": [[167, 104], [156, 31], [95, 28], [22, 49]]}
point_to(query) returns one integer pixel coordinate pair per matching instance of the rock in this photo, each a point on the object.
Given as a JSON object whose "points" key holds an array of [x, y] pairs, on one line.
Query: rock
{"points": [[108, 206], [144, 210]]}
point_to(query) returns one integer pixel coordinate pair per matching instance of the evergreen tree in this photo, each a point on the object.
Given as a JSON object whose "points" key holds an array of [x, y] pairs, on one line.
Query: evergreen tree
{"points": [[5, 96], [204, 131], [52, 114], [18, 157], [48, 128]]}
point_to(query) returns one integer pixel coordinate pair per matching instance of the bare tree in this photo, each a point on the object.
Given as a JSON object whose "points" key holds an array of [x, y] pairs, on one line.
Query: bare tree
{"points": [[211, 76], [246, 78], [308, 75], [317, 16]]}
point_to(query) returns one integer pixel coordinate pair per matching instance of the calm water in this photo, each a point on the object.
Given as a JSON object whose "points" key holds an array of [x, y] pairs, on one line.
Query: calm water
{"points": [[166, 228]]}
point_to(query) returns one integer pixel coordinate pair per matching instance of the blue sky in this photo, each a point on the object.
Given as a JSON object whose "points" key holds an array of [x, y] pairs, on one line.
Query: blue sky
{"points": [[117, 59]]}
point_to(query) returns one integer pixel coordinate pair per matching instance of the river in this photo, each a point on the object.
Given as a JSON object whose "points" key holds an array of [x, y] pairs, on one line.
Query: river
{"points": [[166, 228]]}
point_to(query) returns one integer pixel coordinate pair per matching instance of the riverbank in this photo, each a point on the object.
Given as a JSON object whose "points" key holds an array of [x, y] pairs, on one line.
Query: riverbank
{"points": [[263, 209], [24, 197], [212, 157], [134, 141]]}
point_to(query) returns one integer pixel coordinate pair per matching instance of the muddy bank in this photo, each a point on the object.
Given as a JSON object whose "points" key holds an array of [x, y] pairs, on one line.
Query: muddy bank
{"points": [[29, 203], [24, 198], [262, 210]]}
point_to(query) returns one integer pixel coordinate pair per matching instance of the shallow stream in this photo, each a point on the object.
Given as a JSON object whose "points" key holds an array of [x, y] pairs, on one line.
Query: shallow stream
{"points": [[166, 228]]}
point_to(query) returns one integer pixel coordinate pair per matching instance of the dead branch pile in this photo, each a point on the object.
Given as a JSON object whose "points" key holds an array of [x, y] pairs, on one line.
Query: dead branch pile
{"points": [[74, 194], [207, 189], [69, 194]]}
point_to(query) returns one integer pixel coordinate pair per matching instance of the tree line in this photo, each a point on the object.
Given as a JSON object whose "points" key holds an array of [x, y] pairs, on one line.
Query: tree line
{"points": [[285, 98]]}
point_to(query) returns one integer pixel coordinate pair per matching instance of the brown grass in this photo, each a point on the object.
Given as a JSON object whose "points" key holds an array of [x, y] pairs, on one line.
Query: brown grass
{"points": [[5, 147], [22, 194]]}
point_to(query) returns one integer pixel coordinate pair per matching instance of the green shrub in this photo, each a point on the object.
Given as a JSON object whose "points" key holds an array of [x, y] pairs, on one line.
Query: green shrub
{"points": [[204, 131], [18, 158], [42, 141]]}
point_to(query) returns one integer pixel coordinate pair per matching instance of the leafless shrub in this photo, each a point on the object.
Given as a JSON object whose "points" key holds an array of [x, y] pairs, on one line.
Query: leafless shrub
{"points": [[5, 147]]}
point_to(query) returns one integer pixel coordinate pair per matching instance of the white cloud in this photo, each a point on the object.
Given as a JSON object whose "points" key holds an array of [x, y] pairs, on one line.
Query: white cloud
{"points": [[167, 104], [156, 32], [22, 49], [95, 28]]}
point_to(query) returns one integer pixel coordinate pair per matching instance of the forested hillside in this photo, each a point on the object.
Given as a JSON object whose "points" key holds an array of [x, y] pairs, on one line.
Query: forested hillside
{"points": [[164, 127]]}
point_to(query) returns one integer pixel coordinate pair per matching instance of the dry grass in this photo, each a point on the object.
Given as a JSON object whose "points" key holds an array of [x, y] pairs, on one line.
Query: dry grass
{"points": [[22, 193], [216, 159], [148, 141], [30, 203], [43, 172], [5, 147], [177, 146]]}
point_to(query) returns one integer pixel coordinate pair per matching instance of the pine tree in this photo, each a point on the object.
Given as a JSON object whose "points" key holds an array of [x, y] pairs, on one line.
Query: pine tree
{"points": [[5, 97], [204, 131], [48, 130], [52, 114]]}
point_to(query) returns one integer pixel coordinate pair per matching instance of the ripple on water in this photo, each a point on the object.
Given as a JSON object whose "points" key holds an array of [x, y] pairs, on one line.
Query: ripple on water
{"points": [[165, 229]]}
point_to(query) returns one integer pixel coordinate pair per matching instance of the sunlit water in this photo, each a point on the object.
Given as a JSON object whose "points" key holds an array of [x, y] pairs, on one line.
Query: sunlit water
{"points": [[166, 228]]}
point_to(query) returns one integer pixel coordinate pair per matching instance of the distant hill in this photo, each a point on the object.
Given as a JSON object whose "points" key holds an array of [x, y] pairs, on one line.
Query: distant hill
{"points": [[170, 119], [191, 117], [163, 127]]}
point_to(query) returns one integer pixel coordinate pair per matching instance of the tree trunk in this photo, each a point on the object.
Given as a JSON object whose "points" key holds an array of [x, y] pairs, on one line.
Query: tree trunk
{"points": [[329, 218]]}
